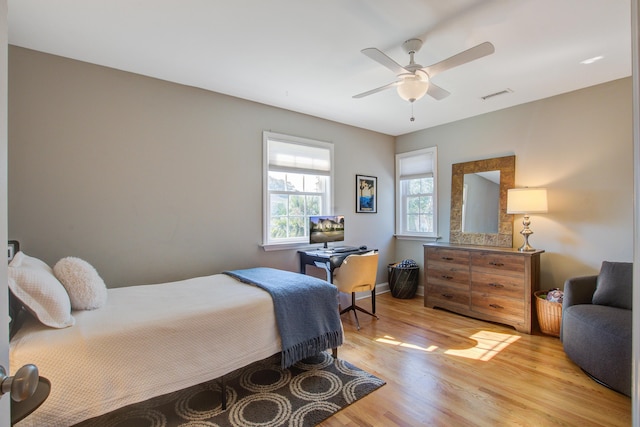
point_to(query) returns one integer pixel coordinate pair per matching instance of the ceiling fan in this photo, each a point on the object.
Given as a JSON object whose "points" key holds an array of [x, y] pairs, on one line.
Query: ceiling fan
{"points": [[414, 80]]}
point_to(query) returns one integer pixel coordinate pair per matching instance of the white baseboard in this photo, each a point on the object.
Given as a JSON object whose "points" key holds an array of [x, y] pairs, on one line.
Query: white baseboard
{"points": [[382, 288]]}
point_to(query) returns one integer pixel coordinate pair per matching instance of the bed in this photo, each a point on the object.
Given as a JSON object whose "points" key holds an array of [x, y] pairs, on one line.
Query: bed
{"points": [[149, 340]]}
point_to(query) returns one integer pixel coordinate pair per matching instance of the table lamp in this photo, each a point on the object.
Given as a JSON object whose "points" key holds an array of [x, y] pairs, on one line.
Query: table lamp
{"points": [[526, 201]]}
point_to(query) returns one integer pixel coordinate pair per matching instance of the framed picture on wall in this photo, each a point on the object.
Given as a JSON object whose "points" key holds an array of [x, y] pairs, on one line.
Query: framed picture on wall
{"points": [[366, 194]]}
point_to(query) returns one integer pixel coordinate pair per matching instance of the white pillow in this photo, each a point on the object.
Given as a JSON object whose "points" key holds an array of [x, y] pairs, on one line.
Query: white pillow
{"points": [[85, 287], [32, 282]]}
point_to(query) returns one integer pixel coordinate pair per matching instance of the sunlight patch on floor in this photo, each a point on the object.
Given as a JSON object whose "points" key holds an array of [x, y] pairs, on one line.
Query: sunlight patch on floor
{"points": [[487, 345], [391, 341]]}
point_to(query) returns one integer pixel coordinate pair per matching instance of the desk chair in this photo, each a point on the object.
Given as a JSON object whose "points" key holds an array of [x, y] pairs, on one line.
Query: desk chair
{"points": [[356, 274]]}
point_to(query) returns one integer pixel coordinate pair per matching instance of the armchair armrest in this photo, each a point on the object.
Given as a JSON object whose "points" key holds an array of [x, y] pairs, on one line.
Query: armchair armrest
{"points": [[579, 290]]}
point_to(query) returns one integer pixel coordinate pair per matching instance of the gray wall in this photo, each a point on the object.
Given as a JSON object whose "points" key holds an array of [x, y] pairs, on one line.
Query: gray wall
{"points": [[152, 181], [580, 146]]}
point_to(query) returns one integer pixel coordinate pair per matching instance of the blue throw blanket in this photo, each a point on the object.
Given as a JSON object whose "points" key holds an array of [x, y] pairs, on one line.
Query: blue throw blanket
{"points": [[306, 310]]}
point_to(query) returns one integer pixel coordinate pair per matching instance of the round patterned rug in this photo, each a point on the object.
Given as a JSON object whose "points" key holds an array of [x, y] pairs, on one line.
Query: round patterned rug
{"points": [[259, 395]]}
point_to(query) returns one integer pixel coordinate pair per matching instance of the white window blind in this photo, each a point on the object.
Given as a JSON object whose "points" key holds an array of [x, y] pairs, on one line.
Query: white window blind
{"points": [[295, 157], [416, 166]]}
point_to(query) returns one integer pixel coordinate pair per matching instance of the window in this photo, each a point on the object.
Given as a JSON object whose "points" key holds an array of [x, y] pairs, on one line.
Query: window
{"points": [[416, 202], [297, 184]]}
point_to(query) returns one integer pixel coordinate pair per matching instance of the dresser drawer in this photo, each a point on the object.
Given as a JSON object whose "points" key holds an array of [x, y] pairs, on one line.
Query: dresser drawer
{"points": [[493, 263], [451, 256], [440, 272], [507, 309], [498, 285], [447, 296]]}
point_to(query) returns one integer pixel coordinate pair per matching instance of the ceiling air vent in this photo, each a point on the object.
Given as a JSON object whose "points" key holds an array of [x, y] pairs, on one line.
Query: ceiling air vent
{"points": [[493, 95]]}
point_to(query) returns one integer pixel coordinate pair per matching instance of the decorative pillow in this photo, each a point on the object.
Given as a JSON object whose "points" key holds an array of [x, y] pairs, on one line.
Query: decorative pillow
{"points": [[614, 286], [32, 282], [85, 287]]}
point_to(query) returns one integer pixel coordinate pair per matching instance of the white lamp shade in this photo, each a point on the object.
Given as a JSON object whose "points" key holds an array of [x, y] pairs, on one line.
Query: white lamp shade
{"points": [[413, 86], [526, 200]]}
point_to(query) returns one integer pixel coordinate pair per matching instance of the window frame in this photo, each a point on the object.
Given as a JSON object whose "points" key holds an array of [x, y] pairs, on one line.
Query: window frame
{"points": [[297, 242], [401, 220]]}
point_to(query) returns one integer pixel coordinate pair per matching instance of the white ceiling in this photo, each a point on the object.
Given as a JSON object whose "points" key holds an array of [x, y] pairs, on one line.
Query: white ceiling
{"points": [[305, 56]]}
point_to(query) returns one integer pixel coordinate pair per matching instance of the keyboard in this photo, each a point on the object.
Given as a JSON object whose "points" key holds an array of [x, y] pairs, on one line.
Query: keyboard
{"points": [[343, 249]]}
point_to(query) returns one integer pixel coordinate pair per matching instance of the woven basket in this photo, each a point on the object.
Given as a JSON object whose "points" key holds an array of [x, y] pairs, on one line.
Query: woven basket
{"points": [[403, 281], [549, 314]]}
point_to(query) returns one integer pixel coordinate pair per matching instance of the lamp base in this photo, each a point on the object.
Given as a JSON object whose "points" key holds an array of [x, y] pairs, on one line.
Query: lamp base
{"points": [[526, 232], [526, 247]]}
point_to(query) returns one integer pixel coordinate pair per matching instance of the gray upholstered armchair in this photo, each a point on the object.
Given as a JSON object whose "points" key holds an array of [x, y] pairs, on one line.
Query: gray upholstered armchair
{"points": [[596, 324]]}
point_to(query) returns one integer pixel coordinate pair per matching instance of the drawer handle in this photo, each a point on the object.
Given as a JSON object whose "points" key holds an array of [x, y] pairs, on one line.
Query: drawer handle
{"points": [[496, 306], [449, 296], [447, 258], [444, 276], [496, 285], [496, 264]]}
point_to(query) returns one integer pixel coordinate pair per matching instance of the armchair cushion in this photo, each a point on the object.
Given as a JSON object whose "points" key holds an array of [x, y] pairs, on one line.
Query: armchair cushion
{"points": [[614, 285]]}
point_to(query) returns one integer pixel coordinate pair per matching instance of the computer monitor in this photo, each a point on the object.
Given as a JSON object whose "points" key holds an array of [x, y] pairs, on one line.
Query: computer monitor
{"points": [[326, 228]]}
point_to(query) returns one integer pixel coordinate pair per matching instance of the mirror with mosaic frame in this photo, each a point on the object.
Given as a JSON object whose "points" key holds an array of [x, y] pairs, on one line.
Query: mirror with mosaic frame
{"points": [[506, 166]]}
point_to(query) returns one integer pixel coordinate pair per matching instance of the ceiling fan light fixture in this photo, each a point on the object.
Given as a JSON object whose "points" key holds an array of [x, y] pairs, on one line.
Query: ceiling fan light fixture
{"points": [[413, 86]]}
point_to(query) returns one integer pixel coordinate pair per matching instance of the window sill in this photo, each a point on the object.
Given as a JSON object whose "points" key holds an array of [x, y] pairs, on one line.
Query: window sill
{"points": [[417, 238], [285, 246]]}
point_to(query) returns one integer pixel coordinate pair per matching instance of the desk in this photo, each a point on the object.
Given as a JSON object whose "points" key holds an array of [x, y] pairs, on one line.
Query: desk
{"points": [[326, 259], [330, 261]]}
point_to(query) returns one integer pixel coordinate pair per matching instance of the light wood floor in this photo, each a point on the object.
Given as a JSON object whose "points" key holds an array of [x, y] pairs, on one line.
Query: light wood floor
{"points": [[443, 369]]}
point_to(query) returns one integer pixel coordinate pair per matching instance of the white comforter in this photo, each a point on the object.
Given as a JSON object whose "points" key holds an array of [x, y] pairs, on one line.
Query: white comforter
{"points": [[147, 341]]}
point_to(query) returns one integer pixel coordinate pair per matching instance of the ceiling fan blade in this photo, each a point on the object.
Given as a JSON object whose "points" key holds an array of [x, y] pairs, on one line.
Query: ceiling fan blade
{"points": [[376, 90], [436, 92], [471, 54], [383, 59]]}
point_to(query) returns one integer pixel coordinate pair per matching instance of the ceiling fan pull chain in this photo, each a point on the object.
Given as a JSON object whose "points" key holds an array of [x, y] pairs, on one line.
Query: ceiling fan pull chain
{"points": [[412, 119]]}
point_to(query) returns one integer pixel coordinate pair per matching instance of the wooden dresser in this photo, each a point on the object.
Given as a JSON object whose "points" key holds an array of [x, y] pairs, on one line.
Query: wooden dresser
{"points": [[488, 283]]}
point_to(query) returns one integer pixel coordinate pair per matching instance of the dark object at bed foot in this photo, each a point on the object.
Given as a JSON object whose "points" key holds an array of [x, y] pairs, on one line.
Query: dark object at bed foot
{"points": [[20, 410]]}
